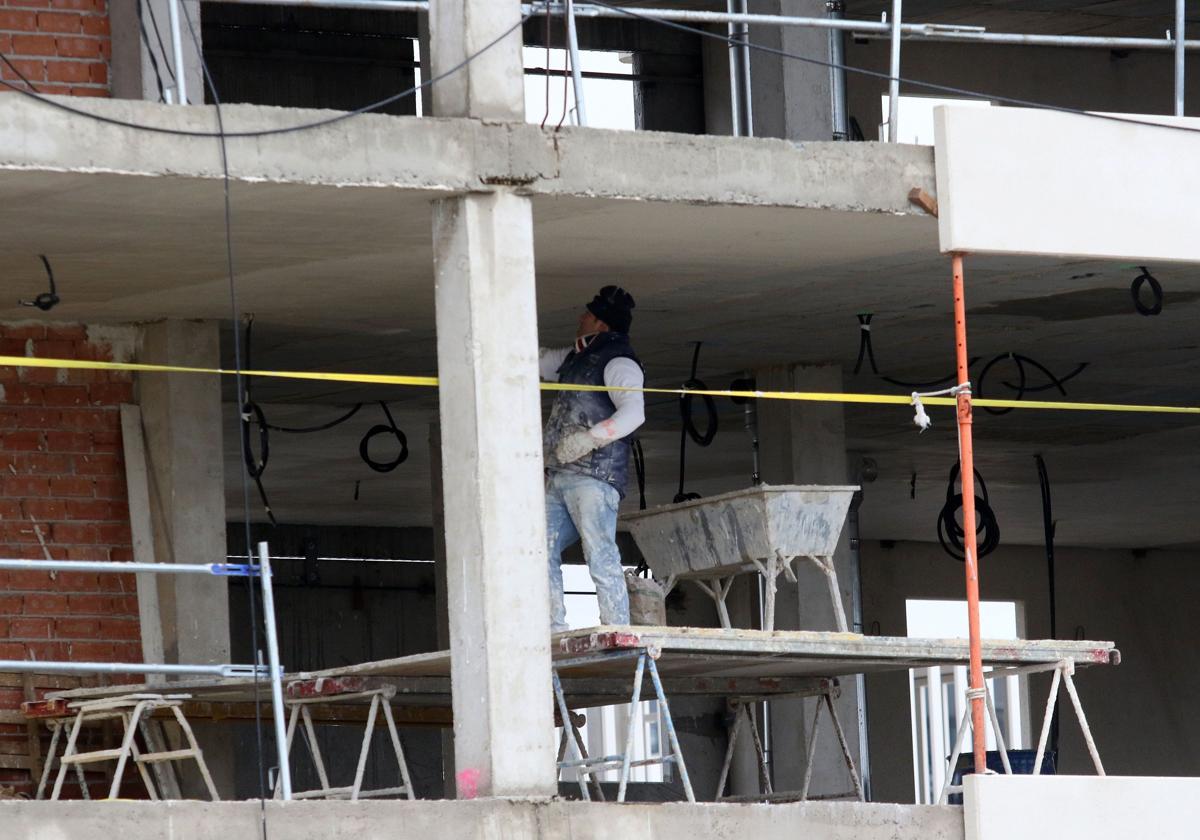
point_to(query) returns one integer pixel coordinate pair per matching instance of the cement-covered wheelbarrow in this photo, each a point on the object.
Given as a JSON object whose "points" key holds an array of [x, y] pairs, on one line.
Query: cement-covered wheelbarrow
{"points": [[762, 529]]}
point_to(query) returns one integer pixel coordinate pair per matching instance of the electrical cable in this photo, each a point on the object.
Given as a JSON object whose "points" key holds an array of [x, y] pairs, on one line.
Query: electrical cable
{"points": [[266, 132], [158, 79], [950, 534], [241, 391], [876, 74], [390, 429], [162, 47], [307, 430], [639, 469], [688, 427], [1022, 387], [866, 351], [1155, 290]]}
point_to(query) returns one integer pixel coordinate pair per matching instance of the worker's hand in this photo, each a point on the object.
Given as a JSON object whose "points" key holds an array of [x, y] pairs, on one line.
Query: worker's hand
{"points": [[575, 446]]}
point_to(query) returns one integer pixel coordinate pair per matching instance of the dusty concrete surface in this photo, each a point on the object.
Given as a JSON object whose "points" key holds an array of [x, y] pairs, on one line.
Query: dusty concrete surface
{"points": [[455, 155], [491, 819]]}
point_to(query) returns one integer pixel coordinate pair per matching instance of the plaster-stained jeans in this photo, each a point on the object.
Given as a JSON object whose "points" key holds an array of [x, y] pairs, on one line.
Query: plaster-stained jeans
{"points": [[579, 507]]}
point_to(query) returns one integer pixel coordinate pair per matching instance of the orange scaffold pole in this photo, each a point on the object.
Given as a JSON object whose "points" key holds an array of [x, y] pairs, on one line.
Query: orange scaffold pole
{"points": [[967, 479]]}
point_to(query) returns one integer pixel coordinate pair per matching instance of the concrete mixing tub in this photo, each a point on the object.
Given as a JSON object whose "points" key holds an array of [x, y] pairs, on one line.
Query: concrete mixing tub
{"points": [[761, 529]]}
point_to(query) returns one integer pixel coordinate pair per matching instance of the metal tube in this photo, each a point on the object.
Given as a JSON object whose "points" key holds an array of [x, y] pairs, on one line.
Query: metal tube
{"points": [[747, 92], [735, 100], [576, 71], [837, 73], [111, 567], [285, 773], [177, 51], [1180, 54], [27, 666], [894, 76], [966, 459], [918, 31]]}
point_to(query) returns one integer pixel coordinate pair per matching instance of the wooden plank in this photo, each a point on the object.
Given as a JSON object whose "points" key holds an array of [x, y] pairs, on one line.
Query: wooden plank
{"points": [[142, 527], [33, 733], [47, 681], [14, 762]]}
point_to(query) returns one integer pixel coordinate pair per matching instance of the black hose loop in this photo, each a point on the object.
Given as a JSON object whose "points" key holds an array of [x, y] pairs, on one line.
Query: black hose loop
{"points": [[1155, 289], [364, 446], [951, 534]]}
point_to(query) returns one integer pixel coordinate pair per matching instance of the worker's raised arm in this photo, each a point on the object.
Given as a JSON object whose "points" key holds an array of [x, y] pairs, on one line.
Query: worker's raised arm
{"points": [[550, 359], [630, 405]]}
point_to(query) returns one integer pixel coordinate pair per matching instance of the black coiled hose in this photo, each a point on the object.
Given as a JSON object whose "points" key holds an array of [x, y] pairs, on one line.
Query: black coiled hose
{"points": [[688, 425], [951, 534]]}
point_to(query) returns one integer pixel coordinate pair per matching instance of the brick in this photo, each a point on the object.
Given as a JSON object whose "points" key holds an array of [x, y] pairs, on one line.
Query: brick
{"points": [[41, 376], [11, 509], [66, 332], [88, 420], [57, 441], [5, 43], [54, 348], [68, 72], [77, 5], [43, 463], [87, 509], [46, 603], [96, 25], [113, 393], [35, 417], [45, 510], [32, 69], [18, 532], [12, 650], [65, 395], [78, 582], [71, 485], [77, 376], [59, 22], [11, 604], [118, 583], [98, 73], [74, 532], [92, 604], [94, 352], [23, 331], [29, 580], [23, 441], [46, 651], [87, 552], [9, 419], [107, 487], [97, 464], [121, 554], [114, 532], [24, 395], [93, 651], [19, 21], [65, 628], [97, 93], [29, 628], [120, 628], [3, 635], [22, 486], [34, 45]]}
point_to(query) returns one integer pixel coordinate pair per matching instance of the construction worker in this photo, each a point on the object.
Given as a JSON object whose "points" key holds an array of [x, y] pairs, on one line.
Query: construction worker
{"points": [[587, 449]]}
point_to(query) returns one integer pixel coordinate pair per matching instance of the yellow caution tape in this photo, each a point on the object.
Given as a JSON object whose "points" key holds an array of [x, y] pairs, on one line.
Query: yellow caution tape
{"points": [[432, 382]]}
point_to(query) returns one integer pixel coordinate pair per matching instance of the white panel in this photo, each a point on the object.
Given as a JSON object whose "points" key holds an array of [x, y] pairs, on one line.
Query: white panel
{"points": [[1081, 807], [1027, 181]]}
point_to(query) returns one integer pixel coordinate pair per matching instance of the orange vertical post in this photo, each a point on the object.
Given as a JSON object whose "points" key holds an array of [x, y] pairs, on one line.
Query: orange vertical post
{"points": [[966, 459]]}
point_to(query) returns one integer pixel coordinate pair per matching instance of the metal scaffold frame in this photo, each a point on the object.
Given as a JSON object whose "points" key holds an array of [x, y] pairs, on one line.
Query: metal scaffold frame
{"points": [[737, 20], [131, 717]]}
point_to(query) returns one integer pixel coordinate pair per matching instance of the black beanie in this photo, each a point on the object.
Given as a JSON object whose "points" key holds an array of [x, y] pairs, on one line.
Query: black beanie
{"points": [[614, 306]]}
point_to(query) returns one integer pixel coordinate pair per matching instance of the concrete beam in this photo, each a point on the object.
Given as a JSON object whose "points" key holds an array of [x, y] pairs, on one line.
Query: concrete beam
{"points": [[483, 820], [442, 156], [493, 496]]}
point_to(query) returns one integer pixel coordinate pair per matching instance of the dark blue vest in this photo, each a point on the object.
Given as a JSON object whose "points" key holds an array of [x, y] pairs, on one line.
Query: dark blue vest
{"points": [[576, 410]]}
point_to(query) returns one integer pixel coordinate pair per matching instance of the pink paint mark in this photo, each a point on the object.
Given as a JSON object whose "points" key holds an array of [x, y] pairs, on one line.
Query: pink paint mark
{"points": [[467, 782]]}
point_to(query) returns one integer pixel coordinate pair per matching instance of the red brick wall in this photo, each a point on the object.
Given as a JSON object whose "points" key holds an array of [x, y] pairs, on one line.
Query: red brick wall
{"points": [[61, 46], [62, 472]]}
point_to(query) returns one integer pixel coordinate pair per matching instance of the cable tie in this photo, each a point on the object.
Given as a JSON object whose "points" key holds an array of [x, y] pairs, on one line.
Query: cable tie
{"points": [[976, 693]]}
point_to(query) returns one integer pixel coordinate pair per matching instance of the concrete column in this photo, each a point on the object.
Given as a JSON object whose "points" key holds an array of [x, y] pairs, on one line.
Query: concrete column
{"points": [[442, 603], [492, 86], [791, 98], [133, 62], [805, 443], [492, 490], [181, 418]]}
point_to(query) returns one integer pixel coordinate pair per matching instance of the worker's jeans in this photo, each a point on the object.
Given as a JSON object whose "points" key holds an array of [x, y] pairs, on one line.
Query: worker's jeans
{"points": [[581, 507]]}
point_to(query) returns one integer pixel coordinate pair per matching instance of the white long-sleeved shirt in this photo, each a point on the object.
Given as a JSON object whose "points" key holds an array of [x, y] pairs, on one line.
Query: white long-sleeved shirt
{"points": [[619, 373]]}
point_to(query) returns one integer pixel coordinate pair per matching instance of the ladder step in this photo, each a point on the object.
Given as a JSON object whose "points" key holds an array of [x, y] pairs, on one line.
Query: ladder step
{"points": [[171, 755], [90, 757]]}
